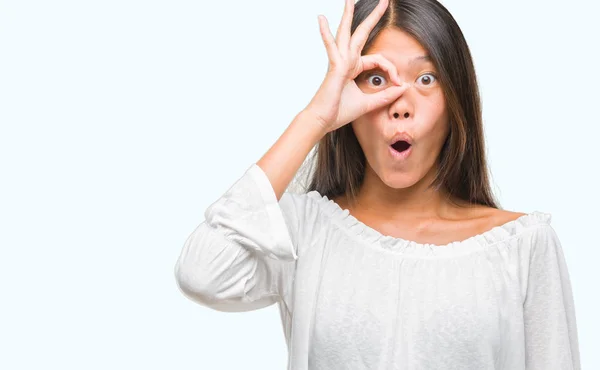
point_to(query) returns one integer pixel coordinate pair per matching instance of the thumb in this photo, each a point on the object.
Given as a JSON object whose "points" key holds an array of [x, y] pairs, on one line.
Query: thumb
{"points": [[385, 97]]}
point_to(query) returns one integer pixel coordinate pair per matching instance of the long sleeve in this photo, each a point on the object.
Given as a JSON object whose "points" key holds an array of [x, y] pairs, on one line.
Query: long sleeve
{"points": [[549, 312], [242, 256]]}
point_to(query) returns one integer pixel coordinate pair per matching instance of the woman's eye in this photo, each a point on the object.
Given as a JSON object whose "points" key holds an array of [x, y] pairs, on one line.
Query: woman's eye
{"points": [[428, 79], [376, 80]]}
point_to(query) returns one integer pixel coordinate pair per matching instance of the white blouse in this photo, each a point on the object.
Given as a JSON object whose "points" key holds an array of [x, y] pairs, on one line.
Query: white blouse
{"points": [[353, 298]]}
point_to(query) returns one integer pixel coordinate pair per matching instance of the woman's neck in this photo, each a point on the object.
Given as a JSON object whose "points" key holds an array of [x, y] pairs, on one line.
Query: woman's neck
{"points": [[417, 202]]}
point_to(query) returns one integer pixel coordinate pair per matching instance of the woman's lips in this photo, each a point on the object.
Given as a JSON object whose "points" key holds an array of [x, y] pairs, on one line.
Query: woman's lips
{"points": [[400, 150]]}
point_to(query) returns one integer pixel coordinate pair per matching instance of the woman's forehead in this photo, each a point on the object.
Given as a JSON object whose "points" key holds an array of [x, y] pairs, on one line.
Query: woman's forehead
{"points": [[400, 48]]}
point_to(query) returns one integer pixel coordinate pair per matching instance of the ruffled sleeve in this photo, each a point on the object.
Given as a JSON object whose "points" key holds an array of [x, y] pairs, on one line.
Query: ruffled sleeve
{"points": [[549, 313], [242, 256]]}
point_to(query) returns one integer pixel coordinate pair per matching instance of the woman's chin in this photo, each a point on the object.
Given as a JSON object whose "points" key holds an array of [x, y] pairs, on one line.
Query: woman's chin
{"points": [[400, 179]]}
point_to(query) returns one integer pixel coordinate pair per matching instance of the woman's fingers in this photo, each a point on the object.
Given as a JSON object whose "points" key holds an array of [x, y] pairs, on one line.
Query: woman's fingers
{"points": [[328, 40], [343, 31], [371, 61], [346, 63], [360, 36]]}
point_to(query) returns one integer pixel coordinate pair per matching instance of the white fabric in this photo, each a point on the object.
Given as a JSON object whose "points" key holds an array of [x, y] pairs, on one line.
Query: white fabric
{"points": [[352, 298]]}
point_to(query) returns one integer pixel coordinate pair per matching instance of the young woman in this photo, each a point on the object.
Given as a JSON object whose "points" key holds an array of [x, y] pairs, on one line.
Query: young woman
{"points": [[397, 256]]}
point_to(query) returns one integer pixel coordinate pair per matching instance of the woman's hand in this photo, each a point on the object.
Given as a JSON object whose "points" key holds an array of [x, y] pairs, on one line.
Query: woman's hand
{"points": [[339, 100]]}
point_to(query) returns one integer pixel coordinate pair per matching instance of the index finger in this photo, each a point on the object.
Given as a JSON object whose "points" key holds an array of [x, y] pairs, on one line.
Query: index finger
{"points": [[359, 38]]}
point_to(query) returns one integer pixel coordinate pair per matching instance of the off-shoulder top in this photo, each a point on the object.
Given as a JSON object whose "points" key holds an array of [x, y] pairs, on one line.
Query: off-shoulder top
{"points": [[352, 298]]}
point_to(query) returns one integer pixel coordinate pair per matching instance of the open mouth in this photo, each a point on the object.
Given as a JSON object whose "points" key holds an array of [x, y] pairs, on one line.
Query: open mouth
{"points": [[400, 146]]}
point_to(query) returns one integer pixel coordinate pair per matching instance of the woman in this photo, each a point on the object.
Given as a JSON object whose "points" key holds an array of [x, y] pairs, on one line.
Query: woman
{"points": [[396, 256]]}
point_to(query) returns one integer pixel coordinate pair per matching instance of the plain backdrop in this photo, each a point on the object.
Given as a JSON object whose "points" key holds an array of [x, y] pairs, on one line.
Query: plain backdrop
{"points": [[122, 121]]}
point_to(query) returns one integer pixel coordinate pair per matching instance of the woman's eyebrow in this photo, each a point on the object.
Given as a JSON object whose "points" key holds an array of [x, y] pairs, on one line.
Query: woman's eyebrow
{"points": [[413, 61], [420, 59]]}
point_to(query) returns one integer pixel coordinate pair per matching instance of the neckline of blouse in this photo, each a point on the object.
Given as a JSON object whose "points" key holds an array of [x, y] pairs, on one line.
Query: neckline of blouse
{"points": [[491, 236]]}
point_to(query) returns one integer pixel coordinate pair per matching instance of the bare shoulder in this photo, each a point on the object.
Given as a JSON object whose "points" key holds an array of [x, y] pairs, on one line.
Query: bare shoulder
{"points": [[496, 217]]}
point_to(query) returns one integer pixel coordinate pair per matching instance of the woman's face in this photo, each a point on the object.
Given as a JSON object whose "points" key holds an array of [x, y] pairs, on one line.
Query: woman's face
{"points": [[420, 112]]}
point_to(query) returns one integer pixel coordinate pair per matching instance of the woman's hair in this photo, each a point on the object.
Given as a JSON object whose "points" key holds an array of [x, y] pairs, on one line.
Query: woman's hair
{"points": [[462, 170]]}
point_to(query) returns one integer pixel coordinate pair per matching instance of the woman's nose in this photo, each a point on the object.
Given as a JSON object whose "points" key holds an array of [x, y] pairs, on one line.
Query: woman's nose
{"points": [[397, 115]]}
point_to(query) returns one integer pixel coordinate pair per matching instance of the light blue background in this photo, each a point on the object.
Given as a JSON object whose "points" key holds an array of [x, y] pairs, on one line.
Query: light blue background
{"points": [[121, 121]]}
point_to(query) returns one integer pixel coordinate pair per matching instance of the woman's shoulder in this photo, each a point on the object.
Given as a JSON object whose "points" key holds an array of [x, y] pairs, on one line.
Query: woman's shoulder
{"points": [[495, 216], [303, 211], [529, 227]]}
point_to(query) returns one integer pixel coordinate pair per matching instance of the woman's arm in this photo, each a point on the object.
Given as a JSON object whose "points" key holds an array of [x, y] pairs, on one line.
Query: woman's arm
{"points": [[242, 256], [549, 311], [282, 161]]}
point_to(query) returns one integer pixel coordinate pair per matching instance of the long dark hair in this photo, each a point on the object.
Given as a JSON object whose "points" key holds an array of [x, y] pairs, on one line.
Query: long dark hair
{"points": [[462, 170]]}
